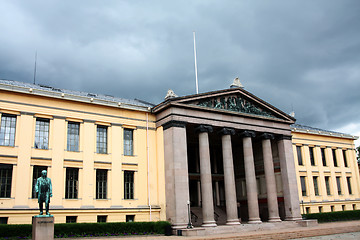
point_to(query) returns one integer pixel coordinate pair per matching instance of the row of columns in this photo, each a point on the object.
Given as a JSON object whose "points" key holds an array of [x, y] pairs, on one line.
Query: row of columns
{"points": [[177, 185], [229, 177]]}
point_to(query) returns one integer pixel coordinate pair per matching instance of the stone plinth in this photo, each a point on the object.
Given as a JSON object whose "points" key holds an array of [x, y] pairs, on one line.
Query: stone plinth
{"points": [[308, 223], [42, 227]]}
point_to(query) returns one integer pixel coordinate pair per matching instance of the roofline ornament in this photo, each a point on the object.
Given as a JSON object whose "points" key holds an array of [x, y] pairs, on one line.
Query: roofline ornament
{"points": [[170, 94], [236, 83]]}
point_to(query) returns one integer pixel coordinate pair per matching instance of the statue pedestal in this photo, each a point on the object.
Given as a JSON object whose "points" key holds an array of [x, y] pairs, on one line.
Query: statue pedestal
{"points": [[43, 227]]}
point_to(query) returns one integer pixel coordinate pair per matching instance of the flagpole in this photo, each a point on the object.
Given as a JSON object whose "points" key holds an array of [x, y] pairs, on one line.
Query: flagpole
{"points": [[196, 75]]}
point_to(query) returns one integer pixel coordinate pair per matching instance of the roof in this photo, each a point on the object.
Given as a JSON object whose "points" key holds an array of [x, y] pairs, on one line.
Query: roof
{"points": [[319, 131], [48, 91]]}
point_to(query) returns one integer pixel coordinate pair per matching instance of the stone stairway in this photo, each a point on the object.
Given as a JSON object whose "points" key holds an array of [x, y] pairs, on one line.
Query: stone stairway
{"points": [[197, 218]]}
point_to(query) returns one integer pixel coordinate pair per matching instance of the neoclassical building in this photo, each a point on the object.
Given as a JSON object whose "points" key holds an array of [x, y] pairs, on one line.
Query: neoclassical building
{"points": [[217, 145], [214, 158]]}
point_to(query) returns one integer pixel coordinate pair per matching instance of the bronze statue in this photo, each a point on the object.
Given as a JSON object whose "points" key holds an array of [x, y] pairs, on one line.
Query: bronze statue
{"points": [[44, 189]]}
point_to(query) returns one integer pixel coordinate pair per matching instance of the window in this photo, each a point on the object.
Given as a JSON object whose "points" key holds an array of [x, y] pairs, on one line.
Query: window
{"points": [[334, 158], [42, 133], [36, 174], [323, 156], [343, 207], [298, 150], [5, 180], [348, 179], [332, 208], [327, 184], [128, 142], [303, 186], [307, 210], [73, 133], [320, 209], [338, 183], [101, 219], [101, 183], [312, 159], [316, 187], [71, 219], [4, 220], [345, 160], [129, 185], [101, 139], [71, 185], [7, 130], [354, 206], [130, 218]]}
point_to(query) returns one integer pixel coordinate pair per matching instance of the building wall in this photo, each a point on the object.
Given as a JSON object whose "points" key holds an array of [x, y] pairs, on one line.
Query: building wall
{"points": [[312, 202], [23, 157]]}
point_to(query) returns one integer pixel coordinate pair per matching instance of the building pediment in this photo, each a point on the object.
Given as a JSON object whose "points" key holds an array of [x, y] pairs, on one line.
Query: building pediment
{"points": [[230, 101]]}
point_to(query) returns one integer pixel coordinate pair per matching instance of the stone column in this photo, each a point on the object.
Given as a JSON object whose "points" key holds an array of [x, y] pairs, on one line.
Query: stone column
{"points": [[229, 177], [205, 176], [288, 177], [176, 173], [270, 178], [250, 177]]}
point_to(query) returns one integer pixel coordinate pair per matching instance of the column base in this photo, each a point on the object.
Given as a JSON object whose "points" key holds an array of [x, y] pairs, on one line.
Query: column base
{"points": [[254, 221], [179, 225], [293, 218], [233, 222], [209, 224], [274, 219]]}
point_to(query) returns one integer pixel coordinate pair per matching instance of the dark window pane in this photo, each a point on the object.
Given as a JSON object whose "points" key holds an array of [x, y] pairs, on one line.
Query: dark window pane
{"points": [[338, 183], [71, 183], [298, 150], [323, 156], [101, 139], [316, 187], [312, 159], [128, 142], [73, 136], [101, 183], [42, 133], [5, 180], [303, 186], [327, 183], [334, 158], [129, 185], [7, 130], [348, 179]]}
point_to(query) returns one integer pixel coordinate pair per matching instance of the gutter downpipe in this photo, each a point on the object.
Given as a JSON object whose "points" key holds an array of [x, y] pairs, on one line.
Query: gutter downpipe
{"points": [[148, 160]]}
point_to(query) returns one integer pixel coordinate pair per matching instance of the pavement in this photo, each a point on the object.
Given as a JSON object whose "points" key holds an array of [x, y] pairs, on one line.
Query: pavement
{"points": [[335, 230]]}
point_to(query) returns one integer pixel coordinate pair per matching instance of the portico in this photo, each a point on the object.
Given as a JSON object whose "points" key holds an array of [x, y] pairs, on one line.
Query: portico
{"points": [[217, 146]]}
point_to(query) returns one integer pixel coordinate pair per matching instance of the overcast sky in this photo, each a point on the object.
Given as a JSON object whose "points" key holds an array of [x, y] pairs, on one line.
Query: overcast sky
{"points": [[300, 55]]}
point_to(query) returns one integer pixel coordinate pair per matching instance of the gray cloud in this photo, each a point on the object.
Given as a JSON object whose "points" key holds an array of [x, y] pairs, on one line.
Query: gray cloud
{"points": [[303, 55]]}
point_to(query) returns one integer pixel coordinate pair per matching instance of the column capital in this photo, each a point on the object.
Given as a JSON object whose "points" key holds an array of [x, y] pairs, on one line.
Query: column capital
{"points": [[174, 123], [204, 128], [284, 137], [248, 133], [267, 136], [227, 131]]}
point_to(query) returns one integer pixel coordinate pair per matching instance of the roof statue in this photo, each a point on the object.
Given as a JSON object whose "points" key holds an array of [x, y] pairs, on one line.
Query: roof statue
{"points": [[236, 84], [170, 94]]}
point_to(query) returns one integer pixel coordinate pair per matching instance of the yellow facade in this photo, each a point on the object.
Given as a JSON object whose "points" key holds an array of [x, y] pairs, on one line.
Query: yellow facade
{"points": [[324, 187], [146, 163]]}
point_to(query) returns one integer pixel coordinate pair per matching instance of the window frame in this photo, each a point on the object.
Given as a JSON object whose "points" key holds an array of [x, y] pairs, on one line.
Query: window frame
{"points": [[327, 185], [303, 186], [336, 164], [338, 185], [128, 143], [312, 156], [8, 129], [323, 157], [102, 133], [129, 180], [316, 185], [72, 185], [348, 181], [6, 171], [299, 156], [42, 140], [101, 183], [73, 137]]}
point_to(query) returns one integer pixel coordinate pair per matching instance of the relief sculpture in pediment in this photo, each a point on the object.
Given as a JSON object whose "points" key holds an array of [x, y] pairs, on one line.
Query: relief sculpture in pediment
{"points": [[235, 104]]}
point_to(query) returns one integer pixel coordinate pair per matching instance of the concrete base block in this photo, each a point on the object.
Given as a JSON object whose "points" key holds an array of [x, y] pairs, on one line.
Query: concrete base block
{"points": [[308, 223], [42, 227], [188, 232]]}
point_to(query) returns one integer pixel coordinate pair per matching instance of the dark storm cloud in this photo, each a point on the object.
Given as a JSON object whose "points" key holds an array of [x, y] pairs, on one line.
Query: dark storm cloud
{"points": [[303, 55]]}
